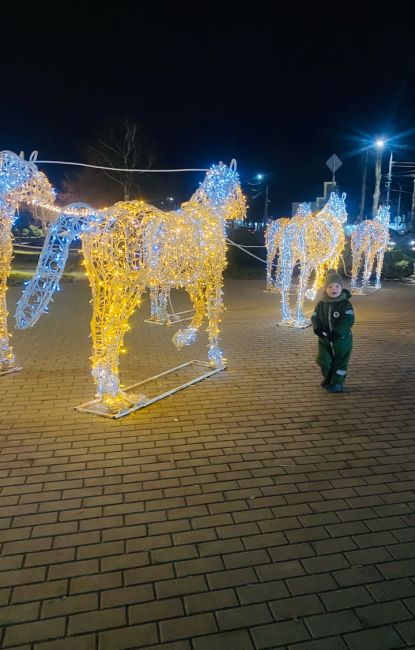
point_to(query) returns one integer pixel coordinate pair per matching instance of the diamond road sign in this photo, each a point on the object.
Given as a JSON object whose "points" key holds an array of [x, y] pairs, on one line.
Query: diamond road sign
{"points": [[334, 163]]}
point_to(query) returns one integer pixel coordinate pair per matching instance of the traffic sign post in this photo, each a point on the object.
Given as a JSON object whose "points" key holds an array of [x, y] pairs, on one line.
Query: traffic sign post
{"points": [[334, 163]]}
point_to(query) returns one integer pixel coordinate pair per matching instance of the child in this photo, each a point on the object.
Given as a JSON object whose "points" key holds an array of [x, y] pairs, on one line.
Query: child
{"points": [[332, 320]]}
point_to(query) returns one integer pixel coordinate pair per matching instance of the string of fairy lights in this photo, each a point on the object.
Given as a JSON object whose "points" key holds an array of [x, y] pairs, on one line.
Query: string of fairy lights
{"points": [[132, 246]]}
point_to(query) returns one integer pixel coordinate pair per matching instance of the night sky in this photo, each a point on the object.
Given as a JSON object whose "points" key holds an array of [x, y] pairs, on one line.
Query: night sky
{"points": [[279, 89]]}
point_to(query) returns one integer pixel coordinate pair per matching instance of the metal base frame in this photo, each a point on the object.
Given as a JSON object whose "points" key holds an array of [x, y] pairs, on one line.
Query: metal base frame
{"points": [[9, 372], [293, 325], [177, 317], [96, 407]]}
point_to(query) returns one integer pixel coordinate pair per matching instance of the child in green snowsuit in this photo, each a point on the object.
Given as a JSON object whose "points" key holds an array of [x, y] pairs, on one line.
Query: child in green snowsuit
{"points": [[332, 320]]}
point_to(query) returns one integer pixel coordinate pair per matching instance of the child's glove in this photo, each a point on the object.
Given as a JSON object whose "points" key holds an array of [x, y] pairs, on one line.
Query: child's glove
{"points": [[320, 332]]}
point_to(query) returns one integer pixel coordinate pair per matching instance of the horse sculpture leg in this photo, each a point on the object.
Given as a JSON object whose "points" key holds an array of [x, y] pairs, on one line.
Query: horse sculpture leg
{"points": [[214, 306], [357, 260], [300, 319], [270, 261], [188, 335], [285, 272], [158, 308], [7, 358], [368, 267], [112, 308], [379, 266]]}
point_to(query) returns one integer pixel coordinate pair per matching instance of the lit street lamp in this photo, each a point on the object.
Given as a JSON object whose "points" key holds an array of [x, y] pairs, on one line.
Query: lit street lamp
{"points": [[379, 144], [257, 186]]}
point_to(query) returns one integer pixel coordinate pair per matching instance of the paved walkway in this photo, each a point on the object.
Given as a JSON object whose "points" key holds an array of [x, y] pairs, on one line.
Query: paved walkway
{"points": [[251, 511]]}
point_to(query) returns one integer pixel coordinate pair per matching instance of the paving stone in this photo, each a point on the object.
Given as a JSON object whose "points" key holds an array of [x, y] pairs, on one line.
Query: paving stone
{"points": [[241, 617], [268, 636], [133, 636], [336, 623], [187, 626], [239, 639], [381, 638]]}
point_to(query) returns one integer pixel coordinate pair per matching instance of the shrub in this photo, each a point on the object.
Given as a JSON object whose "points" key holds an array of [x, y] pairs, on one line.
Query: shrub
{"points": [[397, 265]]}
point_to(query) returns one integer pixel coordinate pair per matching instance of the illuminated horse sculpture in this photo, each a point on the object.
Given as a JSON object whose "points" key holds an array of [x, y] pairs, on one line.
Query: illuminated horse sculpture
{"points": [[131, 246], [369, 242], [315, 242], [273, 236], [20, 182]]}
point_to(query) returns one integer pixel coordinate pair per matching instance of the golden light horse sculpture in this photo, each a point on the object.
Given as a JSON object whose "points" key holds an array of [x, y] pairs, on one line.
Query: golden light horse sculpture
{"points": [[133, 246]]}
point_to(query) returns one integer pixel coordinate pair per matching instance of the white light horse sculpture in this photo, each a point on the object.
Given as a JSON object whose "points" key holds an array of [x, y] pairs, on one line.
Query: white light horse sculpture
{"points": [[369, 242], [315, 242], [273, 237], [20, 182], [131, 246]]}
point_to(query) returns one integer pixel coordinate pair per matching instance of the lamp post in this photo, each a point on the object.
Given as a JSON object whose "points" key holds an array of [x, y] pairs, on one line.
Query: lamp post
{"points": [[379, 144], [257, 185], [365, 155]]}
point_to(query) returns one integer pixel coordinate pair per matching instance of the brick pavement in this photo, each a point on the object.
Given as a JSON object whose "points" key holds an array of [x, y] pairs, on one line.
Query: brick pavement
{"points": [[251, 511]]}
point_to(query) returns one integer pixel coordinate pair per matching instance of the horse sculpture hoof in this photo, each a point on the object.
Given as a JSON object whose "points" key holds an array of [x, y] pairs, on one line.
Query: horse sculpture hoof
{"points": [[121, 401], [310, 294], [302, 323], [184, 337], [216, 359]]}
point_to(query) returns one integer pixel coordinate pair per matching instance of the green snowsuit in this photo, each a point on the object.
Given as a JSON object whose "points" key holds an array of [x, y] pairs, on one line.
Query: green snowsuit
{"points": [[332, 321]]}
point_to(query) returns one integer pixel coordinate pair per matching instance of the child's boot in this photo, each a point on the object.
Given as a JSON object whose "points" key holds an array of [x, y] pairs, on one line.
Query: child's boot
{"points": [[334, 388]]}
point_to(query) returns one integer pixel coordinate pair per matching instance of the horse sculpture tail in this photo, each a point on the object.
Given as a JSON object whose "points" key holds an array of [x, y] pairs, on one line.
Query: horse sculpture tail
{"points": [[39, 290]]}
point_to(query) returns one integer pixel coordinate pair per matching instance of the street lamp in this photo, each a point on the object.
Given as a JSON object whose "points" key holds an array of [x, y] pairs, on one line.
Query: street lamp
{"points": [[380, 145], [257, 187]]}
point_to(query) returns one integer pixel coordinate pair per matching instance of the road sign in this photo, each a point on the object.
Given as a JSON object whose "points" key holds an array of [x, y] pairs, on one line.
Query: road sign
{"points": [[334, 163]]}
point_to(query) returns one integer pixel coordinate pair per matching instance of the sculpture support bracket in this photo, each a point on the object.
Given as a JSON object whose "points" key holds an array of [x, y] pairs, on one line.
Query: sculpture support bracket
{"points": [[97, 408]]}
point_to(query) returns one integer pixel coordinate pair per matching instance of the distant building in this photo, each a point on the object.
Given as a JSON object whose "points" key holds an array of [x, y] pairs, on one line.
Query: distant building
{"points": [[320, 201]]}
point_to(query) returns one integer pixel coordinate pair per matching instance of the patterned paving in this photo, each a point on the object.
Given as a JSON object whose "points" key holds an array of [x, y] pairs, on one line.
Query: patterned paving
{"points": [[251, 511]]}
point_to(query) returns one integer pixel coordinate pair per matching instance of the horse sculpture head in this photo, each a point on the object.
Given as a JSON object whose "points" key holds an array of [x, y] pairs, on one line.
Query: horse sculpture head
{"points": [[383, 215], [336, 205], [221, 191], [22, 182], [303, 210]]}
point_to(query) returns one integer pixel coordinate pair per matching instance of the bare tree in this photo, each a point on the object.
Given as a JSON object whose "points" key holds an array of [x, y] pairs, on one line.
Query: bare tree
{"points": [[124, 146], [88, 186], [41, 217]]}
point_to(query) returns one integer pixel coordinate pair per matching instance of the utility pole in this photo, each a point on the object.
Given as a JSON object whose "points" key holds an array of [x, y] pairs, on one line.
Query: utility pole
{"points": [[399, 198], [389, 181], [266, 206], [413, 209], [364, 177], [378, 175]]}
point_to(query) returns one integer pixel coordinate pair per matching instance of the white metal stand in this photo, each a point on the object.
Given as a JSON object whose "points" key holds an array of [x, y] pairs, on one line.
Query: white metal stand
{"points": [[293, 325], [177, 317], [97, 408], [8, 372]]}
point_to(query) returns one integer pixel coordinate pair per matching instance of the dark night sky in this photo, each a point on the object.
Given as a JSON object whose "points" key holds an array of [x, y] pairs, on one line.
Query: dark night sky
{"points": [[280, 89]]}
